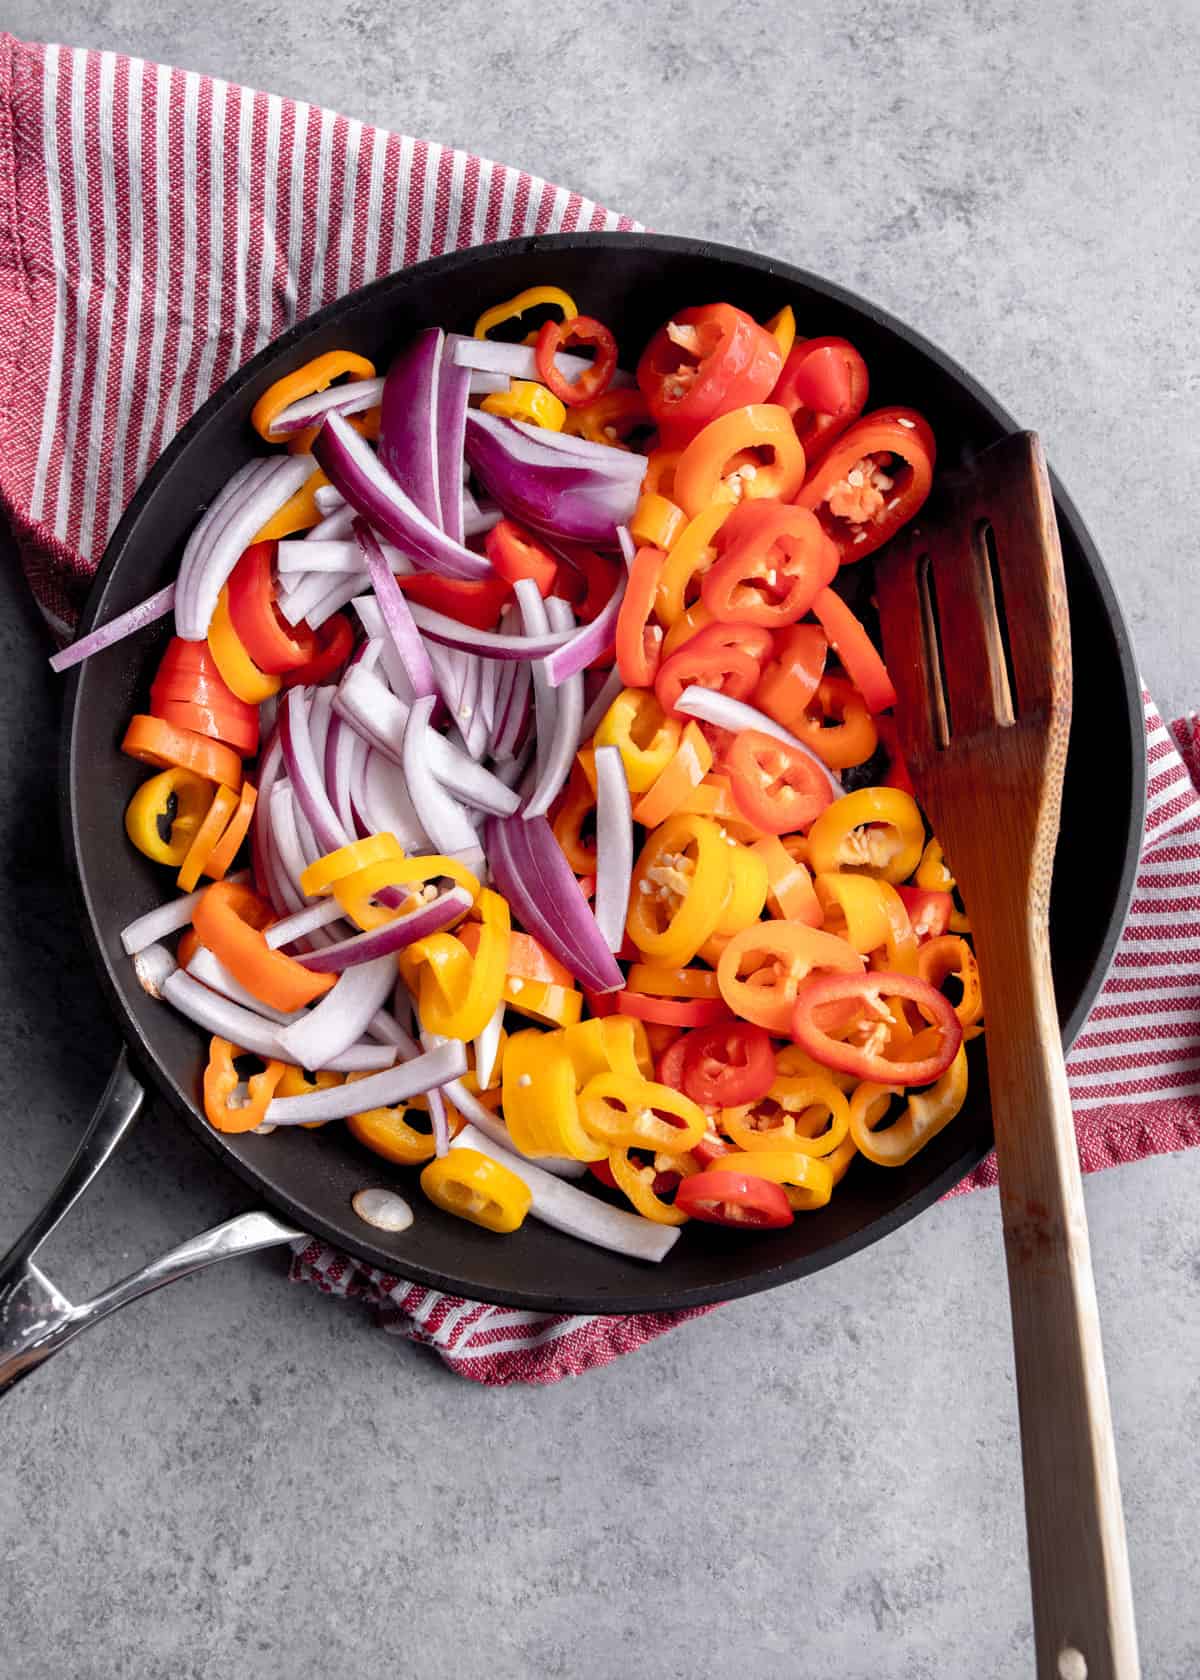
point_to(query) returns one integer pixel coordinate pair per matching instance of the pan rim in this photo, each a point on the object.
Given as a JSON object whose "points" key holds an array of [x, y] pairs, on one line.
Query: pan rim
{"points": [[658, 1295]]}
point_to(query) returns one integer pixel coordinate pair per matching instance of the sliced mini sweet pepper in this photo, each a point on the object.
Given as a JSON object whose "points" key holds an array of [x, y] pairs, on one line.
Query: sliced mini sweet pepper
{"points": [[836, 724], [544, 1000], [796, 1112], [314, 376], [873, 831], [229, 1104], [671, 1012], [299, 513], [926, 1113], [461, 989], [928, 911], [625, 1111], [762, 969], [513, 308], [216, 820], [724, 657], [824, 387], [226, 848], [777, 788], [871, 916], [613, 1044], [473, 1186], [358, 894], [639, 642], [790, 892], [319, 878], [725, 1065], [646, 738], [238, 671], [691, 555], [857, 652], [656, 522], [782, 328], [723, 462], [791, 674], [152, 740], [594, 381], [938, 959], [824, 997], [687, 769], [708, 360], [807, 1180], [872, 481], [612, 419], [678, 890], [165, 813], [637, 1181], [230, 920], [539, 1098], [387, 1132], [573, 823], [932, 872], [773, 561], [528, 401]]}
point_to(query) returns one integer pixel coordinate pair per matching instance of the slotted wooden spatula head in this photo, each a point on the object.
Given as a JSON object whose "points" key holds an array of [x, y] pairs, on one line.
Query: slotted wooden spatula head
{"points": [[973, 608]]}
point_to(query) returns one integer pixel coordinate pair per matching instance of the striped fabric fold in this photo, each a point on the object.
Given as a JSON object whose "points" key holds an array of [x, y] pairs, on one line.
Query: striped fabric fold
{"points": [[157, 228]]}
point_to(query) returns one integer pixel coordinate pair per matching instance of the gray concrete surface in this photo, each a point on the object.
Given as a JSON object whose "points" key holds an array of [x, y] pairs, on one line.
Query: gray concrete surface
{"points": [[240, 1479]]}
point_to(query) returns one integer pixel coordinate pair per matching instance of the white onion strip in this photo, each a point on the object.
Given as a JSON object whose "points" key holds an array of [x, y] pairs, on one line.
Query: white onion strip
{"points": [[614, 846], [565, 1208], [211, 972], [568, 715], [340, 1018], [303, 923], [536, 622], [249, 1031], [396, 1085], [726, 713]]}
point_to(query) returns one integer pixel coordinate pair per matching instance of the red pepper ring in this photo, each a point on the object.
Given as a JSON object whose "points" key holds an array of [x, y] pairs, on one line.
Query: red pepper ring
{"points": [[673, 1012], [736, 1199], [824, 387], [773, 562], [727, 1065], [870, 990], [724, 657], [639, 642], [275, 647], [335, 639], [562, 335]]}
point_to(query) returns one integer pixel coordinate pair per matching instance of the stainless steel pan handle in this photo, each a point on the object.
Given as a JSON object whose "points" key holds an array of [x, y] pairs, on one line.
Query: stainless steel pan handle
{"points": [[36, 1319]]}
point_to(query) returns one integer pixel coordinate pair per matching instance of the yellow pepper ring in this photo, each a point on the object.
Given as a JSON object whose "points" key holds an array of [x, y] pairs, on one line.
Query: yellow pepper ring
{"points": [[637, 1182], [690, 557], [387, 1132], [524, 400], [543, 1000], [846, 835], [656, 522], [238, 671], [714, 466], [854, 909], [216, 821], [804, 1102], [356, 893], [298, 1082], [473, 1186], [318, 879], [164, 832], [645, 736], [626, 1111], [807, 1180], [747, 891], [659, 980], [314, 376], [925, 1115], [660, 871], [932, 873], [460, 990], [534, 297], [539, 1098], [608, 1044]]}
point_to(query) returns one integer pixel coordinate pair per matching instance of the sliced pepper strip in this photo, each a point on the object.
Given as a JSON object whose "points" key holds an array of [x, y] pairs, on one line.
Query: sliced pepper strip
{"points": [[637, 1183], [238, 671], [318, 879], [925, 1115], [299, 513], [152, 741], [386, 1132], [645, 736], [460, 991], [525, 400], [594, 381], [216, 821], [938, 959], [660, 980], [672, 1012], [858, 493], [356, 893], [691, 555], [762, 969], [836, 724], [639, 643], [533, 297], [932, 871], [611, 419], [807, 1180], [229, 920], [790, 892], [314, 376], [857, 652], [221, 1084], [796, 1112], [656, 522], [691, 763], [615, 1044], [544, 1000]]}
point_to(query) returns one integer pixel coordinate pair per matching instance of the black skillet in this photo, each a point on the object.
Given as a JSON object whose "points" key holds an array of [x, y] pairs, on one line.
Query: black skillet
{"points": [[633, 282]]}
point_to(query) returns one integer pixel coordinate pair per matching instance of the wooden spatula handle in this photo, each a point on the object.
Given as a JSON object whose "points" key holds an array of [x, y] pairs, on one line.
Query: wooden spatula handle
{"points": [[1079, 1567]]}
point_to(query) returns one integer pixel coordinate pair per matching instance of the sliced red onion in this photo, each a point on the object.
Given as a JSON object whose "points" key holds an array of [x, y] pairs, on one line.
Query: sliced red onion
{"points": [[572, 450], [588, 643], [555, 764], [211, 972], [208, 560], [565, 1208], [285, 836], [627, 545], [605, 695], [478, 518], [516, 361], [408, 425], [490, 643], [440, 815], [352, 398], [165, 919], [307, 777], [153, 967], [320, 716], [329, 502], [491, 1125], [251, 1032], [343, 747], [727, 713], [512, 712], [560, 495], [270, 768], [383, 801], [392, 936], [453, 395], [487, 1047], [535, 877], [614, 846], [396, 1085], [335, 598], [383, 1209], [303, 923], [128, 624], [340, 1018], [536, 622], [382, 720], [353, 468], [440, 1122], [397, 615], [382, 649], [231, 494], [480, 709], [487, 384], [512, 770], [342, 556]]}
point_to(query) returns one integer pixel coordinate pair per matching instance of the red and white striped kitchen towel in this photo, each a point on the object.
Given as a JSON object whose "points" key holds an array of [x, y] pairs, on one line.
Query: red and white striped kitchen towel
{"points": [[156, 229]]}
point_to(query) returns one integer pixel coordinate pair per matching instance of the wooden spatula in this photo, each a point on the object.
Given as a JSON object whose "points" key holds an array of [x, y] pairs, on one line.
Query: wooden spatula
{"points": [[974, 614]]}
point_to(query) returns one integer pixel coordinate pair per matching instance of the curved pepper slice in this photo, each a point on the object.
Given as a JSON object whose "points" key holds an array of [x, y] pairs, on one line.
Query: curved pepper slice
{"points": [[790, 892], [299, 513], [646, 738], [937, 960], [824, 387], [836, 724], [678, 891], [334, 641], [932, 872], [777, 788], [773, 562], [314, 376], [746, 894], [460, 989], [226, 848], [528, 401], [573, 823], [707, 360], [165, 813], [656, 522], [807, 1114], [544, 1000], [822, 997], [533, 297], [539, 1098], [721, 463], [790, 677], [638, 1182], [807, 1180], [736, 1200], [151, 740], [386, 1132], [358, 893], [227, 1107], [614, 1044], [659, 479], [925, 1115], [639, 643], [230, 919], [686, 770], [238, 671], [625, 1111], [723, 657], [726, 1065], [873, 831], [208, 835], [762, 969], [594, 381], [671, 1012], [782, 328], [273, 645], [319, 878], [869, 915], [692, 554], [857, 652], [928, 911], [872, 481], [612, 419], [473, 1186]]}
